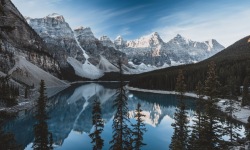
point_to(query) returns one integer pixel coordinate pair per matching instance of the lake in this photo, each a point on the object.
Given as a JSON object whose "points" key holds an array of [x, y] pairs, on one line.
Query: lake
{"points": [[70, 113]]}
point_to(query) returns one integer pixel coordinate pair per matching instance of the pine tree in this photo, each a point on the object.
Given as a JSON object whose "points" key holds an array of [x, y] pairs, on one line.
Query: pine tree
{"points": [[248, 129], [7, 94], [98, 124], [7, 140], [213, 131], [180, 137], [138, 129], [230, 109], [51, 141], [245, 93], [42, 139], [121, 139], [197, 138], [26, 92]]}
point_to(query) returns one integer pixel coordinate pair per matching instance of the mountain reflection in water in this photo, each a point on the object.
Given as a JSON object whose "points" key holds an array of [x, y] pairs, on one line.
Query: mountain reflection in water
{"points": [[70, 113]]}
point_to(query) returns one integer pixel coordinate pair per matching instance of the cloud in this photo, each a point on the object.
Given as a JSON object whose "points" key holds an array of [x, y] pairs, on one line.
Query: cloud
{"points": [[125, 31], [103, 20], [227, 26]]}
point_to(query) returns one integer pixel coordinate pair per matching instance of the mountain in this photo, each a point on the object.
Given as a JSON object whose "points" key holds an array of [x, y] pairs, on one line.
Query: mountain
{"points": [[58, 36], [19, 40], [105, 40], [77, 51], [97, 48], [152, 50], [232, 62], [197, 50]]}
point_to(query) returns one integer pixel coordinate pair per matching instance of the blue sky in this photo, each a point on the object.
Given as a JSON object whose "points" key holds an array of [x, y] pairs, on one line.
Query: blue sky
{"points": [[224, 20]]}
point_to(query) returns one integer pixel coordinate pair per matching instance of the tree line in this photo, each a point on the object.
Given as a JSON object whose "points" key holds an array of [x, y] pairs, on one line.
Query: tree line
{"points": [[207, 131], [8, 92]]}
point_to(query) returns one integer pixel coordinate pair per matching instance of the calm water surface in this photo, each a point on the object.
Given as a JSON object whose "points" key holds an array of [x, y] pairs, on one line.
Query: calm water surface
{"points": [[70, 117]]}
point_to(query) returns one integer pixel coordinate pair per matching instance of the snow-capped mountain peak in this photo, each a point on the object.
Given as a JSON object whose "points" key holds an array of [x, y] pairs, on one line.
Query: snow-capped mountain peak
{"points": [[119, 41], [119, 37], [104, 38], [56, 16], [179, 39], [152, 39]]}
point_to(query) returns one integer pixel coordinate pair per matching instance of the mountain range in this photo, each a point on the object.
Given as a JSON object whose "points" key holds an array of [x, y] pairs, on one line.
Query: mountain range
{"points": [[52, 45], [143, 54], [232, 66]]}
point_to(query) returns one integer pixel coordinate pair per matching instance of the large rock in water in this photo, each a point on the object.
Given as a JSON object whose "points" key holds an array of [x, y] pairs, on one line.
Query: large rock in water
{"points": [[18, 38]]}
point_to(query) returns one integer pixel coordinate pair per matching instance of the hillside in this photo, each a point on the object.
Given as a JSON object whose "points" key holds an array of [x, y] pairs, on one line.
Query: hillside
{"points": [[233, 61], [18, 38]]}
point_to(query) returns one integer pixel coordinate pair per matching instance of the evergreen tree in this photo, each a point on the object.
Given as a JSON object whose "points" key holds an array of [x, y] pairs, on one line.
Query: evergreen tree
{"points": [[230, 109], [138, 129], [8, 97], [180, 137], [245, 92], [121, 139], [26, 92], [43, 139], [51, 141], [7, 140], [213, 131], [98, 124], [248, 129], [197, 139]]}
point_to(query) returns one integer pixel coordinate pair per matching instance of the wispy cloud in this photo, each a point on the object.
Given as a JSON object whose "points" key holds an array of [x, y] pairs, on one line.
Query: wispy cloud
{"points": [[102, 20], [226, 27], [125, 31]]}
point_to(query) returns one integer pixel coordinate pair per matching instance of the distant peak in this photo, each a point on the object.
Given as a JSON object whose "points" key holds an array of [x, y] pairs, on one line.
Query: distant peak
{"points": [[178, 36], [83, 28], [79, 28], [56, 16], [118, 37], [155, 33], [53, 15], [104, 38]]}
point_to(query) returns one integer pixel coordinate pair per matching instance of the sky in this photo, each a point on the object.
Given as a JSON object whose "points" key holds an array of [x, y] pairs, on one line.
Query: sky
{"points": [[224, 20]]}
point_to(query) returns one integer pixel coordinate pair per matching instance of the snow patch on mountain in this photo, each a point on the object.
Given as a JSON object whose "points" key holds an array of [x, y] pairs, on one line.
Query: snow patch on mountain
{"points": [[106, 66], [54, 15], [78, 44], [86, 70]]}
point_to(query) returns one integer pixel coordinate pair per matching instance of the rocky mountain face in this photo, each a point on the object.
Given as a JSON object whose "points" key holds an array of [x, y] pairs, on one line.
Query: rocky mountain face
{"points": [[196, 50], [96, 47], [105, 40], [78, 49], [152, 50], [58, 36], [17, 38]]}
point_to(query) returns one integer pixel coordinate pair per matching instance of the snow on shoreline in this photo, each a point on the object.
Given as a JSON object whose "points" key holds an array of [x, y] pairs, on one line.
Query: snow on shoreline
{"points": [[241, 114]]}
